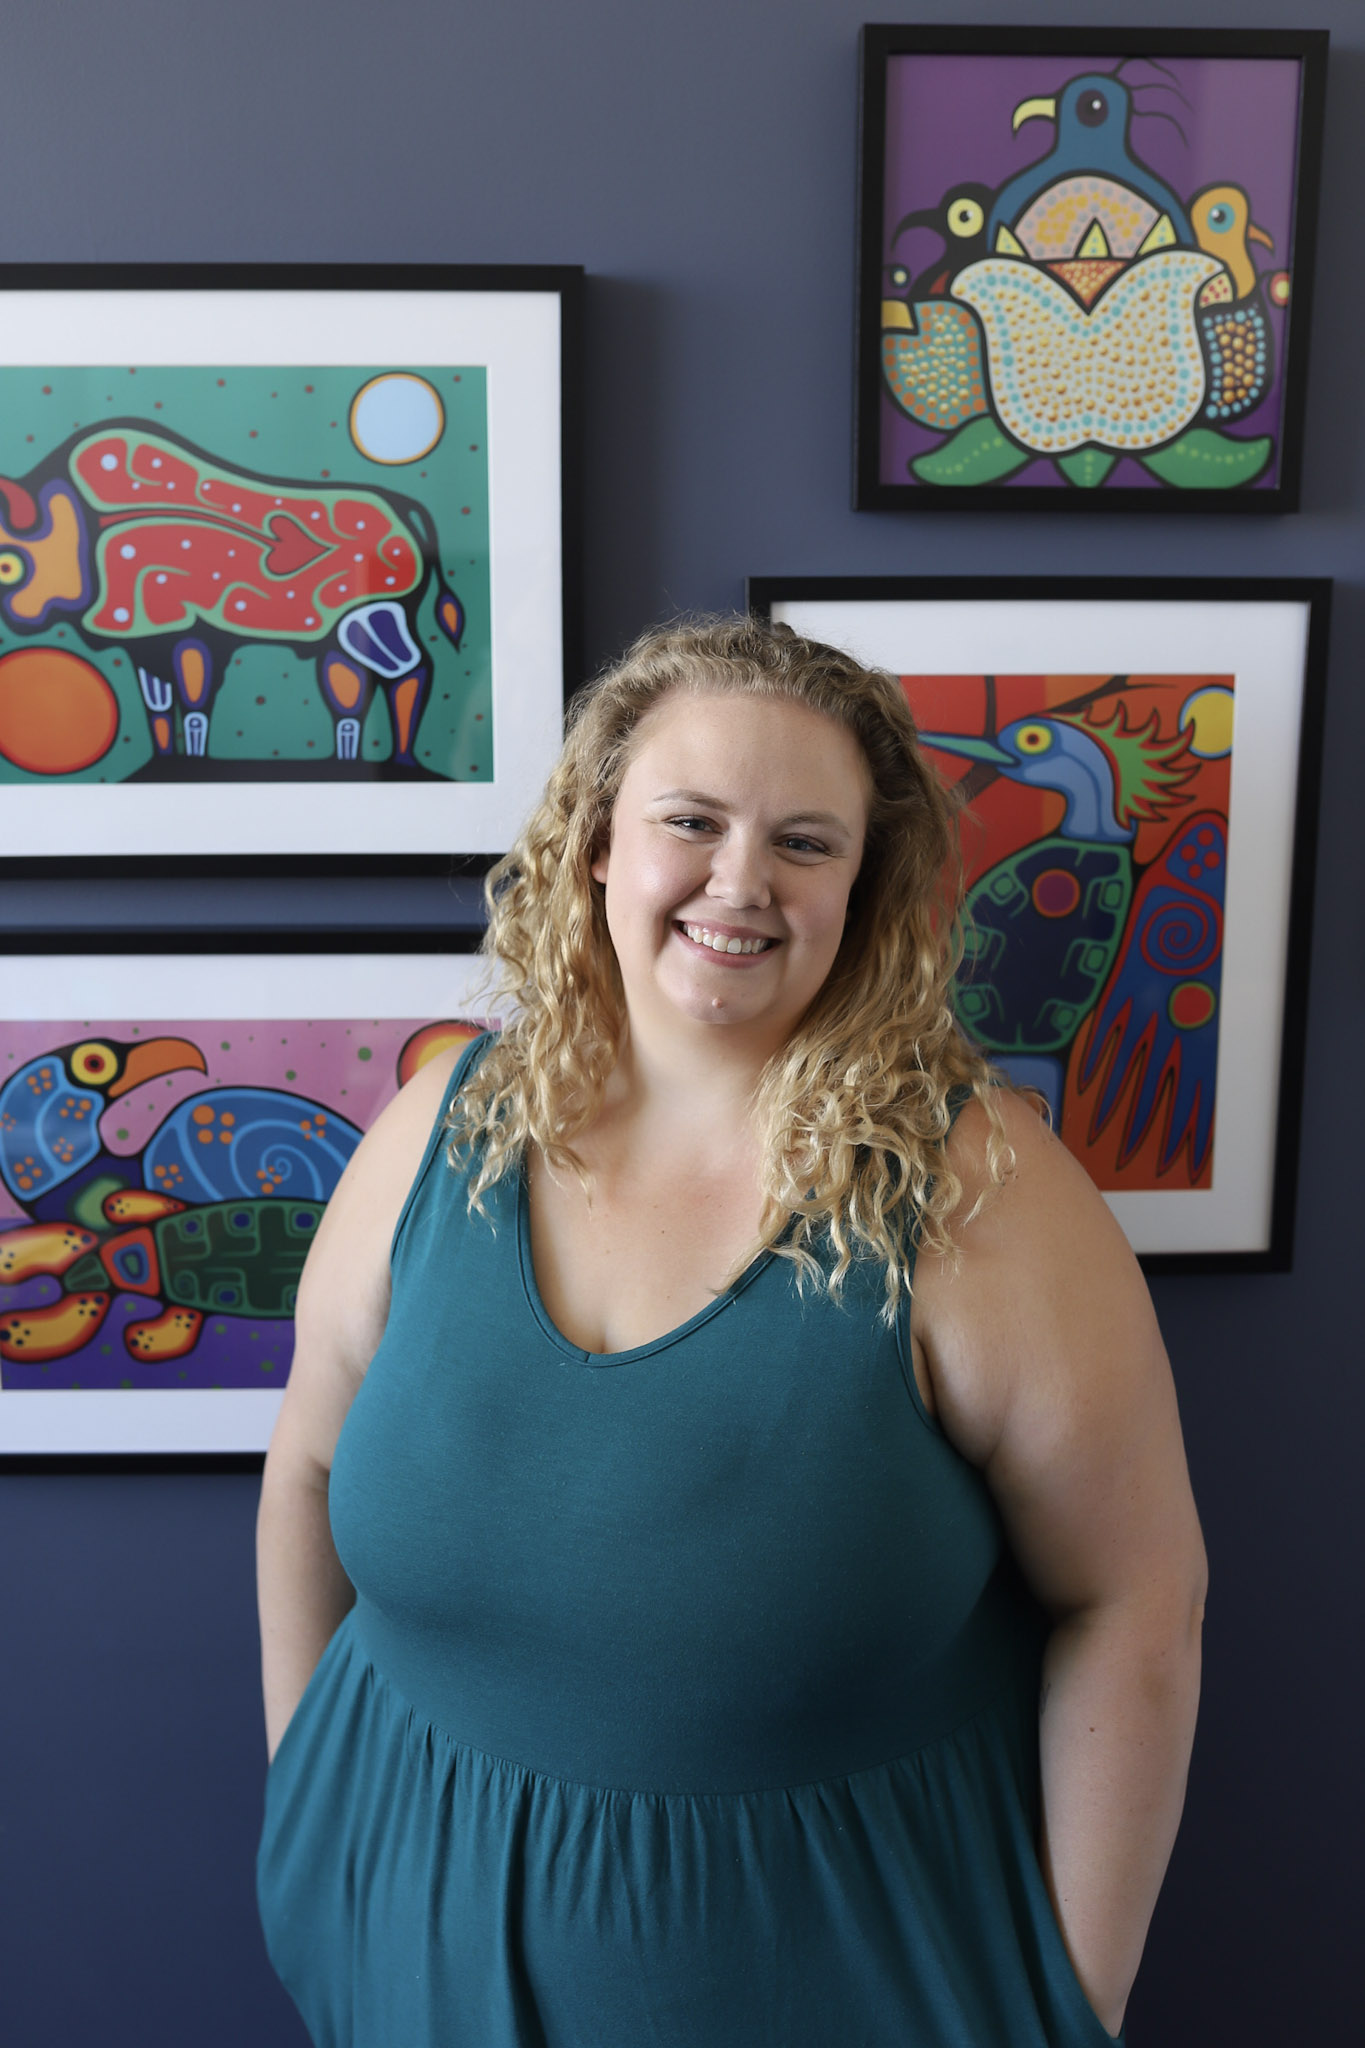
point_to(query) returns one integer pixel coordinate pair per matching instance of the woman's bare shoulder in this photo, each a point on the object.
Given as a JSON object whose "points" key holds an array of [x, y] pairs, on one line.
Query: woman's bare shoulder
{"points": [[1044, 1186], [344, 1293], [1044, 1286], [1049, 1374], [343, 1301]]}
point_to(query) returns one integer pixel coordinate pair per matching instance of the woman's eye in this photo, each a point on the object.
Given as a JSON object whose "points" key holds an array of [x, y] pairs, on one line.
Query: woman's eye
{"points": [[692, 824], [796, 843]]}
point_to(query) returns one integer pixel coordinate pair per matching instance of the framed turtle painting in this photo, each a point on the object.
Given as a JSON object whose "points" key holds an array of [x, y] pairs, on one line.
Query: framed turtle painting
{"points": [[1138, 764], [171, 1128], [1085, 267], [272, 536]]}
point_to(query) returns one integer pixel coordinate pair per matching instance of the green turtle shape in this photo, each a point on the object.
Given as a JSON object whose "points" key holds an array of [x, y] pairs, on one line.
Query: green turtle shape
{"points": [[240, 1258]]}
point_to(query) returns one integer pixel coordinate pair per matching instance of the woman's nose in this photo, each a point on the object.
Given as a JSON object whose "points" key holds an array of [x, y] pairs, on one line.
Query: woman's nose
{"points": [[740, 874]]}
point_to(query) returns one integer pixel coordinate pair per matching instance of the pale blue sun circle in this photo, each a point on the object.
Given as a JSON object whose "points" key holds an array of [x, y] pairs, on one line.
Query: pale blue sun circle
{"points": [[396, 418]]}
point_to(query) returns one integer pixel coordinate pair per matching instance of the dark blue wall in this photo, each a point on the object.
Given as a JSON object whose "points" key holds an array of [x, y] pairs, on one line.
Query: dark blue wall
{"points": [[699, 161]]}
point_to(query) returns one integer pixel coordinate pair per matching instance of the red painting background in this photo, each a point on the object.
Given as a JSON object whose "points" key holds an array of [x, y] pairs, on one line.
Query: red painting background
{"points": [[1004, 816]]}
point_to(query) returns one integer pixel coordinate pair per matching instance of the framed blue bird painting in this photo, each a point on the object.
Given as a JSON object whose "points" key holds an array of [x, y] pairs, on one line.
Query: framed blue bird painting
{"points": [[172, 1127], [1135, 769], [1085, 267]]}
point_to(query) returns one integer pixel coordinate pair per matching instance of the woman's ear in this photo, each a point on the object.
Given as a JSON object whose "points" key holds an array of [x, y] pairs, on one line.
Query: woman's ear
{"points": [[598, 868]]}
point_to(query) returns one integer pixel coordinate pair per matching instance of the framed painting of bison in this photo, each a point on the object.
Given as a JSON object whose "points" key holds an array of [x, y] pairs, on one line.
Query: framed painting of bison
{"points": [[276, 539]]}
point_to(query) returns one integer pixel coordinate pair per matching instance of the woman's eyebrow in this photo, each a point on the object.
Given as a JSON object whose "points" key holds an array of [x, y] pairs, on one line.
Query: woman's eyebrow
{"points": [[689, 796], [817, 818]]}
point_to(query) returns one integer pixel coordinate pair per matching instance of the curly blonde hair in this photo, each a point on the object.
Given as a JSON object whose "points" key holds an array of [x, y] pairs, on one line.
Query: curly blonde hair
{"points": [[853, 1112]]}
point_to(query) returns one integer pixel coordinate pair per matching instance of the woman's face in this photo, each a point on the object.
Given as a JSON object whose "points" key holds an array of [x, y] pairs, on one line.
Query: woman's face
{"points": [[735, 840]]}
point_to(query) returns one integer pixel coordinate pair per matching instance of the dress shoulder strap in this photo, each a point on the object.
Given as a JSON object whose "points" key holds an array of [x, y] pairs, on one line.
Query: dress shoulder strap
{"points": [[464, 1066], [958, 1098]]}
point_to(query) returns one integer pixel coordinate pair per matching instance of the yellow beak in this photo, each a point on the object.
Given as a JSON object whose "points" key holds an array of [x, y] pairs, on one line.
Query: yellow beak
{"points": [[1033, 110]]}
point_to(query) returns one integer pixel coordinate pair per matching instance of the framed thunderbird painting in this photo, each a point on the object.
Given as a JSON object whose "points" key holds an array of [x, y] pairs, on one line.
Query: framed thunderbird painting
{"points": [[171, 1128], [271, 536], [1138, 768], [1085, 265]]}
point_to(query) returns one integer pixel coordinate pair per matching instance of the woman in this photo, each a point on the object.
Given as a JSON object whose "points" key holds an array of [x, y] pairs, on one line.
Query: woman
{"points": [[706, 1578]]}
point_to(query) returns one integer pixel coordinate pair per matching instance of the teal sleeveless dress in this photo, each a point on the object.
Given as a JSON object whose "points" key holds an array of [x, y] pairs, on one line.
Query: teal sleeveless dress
{"points": [[689, 1698]]}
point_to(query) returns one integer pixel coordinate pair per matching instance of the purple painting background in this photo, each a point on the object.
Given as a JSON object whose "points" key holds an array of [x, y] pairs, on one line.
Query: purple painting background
{"points": [[948, 122], [347, 1066]]}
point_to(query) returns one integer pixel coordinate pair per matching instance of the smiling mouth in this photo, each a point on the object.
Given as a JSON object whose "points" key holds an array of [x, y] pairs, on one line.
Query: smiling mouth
{"points": [[723, 942]]}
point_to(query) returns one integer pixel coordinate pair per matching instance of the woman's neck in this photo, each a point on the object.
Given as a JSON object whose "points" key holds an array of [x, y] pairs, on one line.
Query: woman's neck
{"points": [[689, 1081]]}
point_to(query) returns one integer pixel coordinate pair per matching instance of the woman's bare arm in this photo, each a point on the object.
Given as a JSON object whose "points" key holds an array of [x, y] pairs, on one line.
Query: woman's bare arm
{"points": [[1048, 1372], [343, 1305]]}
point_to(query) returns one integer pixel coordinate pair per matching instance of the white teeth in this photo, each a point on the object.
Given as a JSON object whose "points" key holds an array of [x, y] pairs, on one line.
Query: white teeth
{"points": [[720, 944]]}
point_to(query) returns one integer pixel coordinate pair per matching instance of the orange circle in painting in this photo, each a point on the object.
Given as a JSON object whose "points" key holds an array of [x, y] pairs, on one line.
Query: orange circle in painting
{"points": [[57, 713]]}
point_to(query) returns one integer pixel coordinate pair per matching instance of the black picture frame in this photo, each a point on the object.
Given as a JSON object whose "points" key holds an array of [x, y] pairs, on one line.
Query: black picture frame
{"points": [[1251, 653], [94, 1402], [1075, 340], [215, 337]]}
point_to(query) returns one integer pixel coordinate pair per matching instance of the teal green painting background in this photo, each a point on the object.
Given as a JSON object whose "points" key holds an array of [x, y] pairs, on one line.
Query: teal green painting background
{"points": [[288, 424]]}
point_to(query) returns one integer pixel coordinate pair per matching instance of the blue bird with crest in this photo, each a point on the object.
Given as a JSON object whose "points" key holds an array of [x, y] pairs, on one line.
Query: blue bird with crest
{"points": [[1069, 927], [1093, 120]]}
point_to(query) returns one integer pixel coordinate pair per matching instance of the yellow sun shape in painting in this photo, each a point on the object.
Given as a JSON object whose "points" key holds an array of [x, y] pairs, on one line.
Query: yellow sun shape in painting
{"points": [[1207, 717], [397, 417]]}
